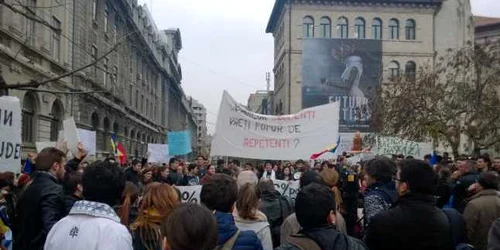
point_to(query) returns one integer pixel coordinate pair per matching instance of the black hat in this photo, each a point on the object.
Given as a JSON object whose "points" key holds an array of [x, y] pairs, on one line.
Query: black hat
{"points": [[489, 180]]}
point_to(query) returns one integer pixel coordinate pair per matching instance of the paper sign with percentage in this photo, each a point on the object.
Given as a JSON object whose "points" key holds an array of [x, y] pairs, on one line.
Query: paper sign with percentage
{"points": [[190, 194], [287, 188]]}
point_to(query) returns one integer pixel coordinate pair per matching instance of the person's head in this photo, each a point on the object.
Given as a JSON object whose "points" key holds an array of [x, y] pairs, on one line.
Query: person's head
{"points": [[103, 182], [310, 177], [268, 166], [147, 175], [483, 162], [300, 165], [330, 177], [193, 169], [266, 185], [465, 165], [286, 171], [417, 177], [249, 166], [190, 227], [72, 184], [129, 196], [180, 169], [496, 164], [52, 160], [211, 170], [247, 177], [247, 202], [220, 163], [444, 174], [379, 169], [315, 206], [427, 158], [200, 160], [488, 180], [164, 172], [236, 163], [219, 193], [136, 165], [173, 163], [400, 157]]}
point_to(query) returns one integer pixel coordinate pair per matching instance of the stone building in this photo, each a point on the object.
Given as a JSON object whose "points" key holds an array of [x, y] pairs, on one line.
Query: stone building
{"points": [[200, 113], [411, 32], [260, 102], [135, 83]]}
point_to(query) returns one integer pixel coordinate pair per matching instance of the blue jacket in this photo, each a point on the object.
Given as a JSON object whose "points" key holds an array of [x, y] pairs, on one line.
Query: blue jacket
{"points": [[247, 240]]}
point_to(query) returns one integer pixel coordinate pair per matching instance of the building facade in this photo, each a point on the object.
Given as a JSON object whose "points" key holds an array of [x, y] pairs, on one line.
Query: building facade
{"points": [[260, 102], [487, 29], [200, 114], [411, 33], [127, 68]]}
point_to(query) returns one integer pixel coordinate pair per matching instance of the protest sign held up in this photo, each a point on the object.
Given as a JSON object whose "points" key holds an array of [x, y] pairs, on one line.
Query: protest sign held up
{"points": [[10, 134]]}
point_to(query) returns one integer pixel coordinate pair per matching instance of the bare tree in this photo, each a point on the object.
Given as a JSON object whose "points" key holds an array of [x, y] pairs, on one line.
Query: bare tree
{"points": [[456, 96]]}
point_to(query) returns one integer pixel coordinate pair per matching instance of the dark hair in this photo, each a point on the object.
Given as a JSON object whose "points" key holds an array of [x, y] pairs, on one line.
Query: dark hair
{"points": [[266, 185], [191, 167], [313, 205], [419, 175], [47, 157], [444, 174], [190, 227], [380, 168], [409, 157], [400, 156], [300, 162], [489, 180], [427, 157], [201, 156], [71, 181], [103, 182], [486, 159], [309, 177], [236, 162], [249, 164], [129, 196], [135, 162], [220, 162], [172, 161], [219, 192]]}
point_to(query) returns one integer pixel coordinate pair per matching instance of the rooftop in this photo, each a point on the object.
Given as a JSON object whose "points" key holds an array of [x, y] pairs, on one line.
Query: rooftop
{"points": [[483, 21]]}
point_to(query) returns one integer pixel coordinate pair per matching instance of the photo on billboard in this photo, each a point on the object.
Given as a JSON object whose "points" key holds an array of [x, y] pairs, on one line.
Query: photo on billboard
{"points": [[345, 70]]}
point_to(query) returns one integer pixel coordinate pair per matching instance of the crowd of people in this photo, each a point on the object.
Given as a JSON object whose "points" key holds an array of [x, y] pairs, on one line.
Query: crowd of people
{"points": [[383, 203]]}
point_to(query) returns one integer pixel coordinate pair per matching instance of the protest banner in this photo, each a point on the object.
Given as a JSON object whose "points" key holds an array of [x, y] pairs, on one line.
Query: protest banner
{"points": [[190, 194], [158, 153], [241, 133], [179, 143], [71, 135], [289, 189], [10, 134], [394, 146], [88, 139]]}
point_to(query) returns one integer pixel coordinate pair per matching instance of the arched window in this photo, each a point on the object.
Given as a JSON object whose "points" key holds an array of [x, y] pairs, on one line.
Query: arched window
{"points": [[308, 27], [377, 28], [116, 128], [28, 117], [359, 24], [105, 135], [394, 69], [325, 27], [57, 114], [411, 70], [342, 27], [411, 26], [394, 29]]}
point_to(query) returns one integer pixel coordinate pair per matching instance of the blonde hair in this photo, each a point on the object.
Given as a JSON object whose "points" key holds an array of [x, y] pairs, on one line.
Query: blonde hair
{"points": [[248, 201], [331, 178]]}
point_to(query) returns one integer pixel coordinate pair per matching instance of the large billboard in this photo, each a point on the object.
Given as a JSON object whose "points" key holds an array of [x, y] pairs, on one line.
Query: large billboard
{"points": [[345, 70]]}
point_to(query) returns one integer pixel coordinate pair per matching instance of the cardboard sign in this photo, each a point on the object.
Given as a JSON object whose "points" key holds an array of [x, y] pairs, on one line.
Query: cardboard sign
{"points": [[71, 135], [10, 134], [394, 146], [190, 193], [88, 139], [289, 189], [179, 143], [158, 153]]}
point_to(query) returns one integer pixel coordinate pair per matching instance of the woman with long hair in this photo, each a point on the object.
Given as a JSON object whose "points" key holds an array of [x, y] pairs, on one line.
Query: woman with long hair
{"points": [[210, 172], [287, 174], [247, 215], [128, 208], [156, 204], [331, 178], [161, 174]]}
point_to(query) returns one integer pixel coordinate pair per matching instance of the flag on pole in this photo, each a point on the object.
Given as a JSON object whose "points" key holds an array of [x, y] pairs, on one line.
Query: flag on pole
{"points": [[121, 155], [331, 149], [113, 142]]}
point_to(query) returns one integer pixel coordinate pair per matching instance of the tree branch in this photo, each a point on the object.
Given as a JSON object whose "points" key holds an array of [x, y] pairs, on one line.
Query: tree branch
{"points": [[32, 17]]}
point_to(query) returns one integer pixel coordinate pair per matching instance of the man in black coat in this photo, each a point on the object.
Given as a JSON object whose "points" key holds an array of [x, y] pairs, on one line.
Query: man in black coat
{"points": [[42, 204], [468, 176], [133, 174], [415, 222]]}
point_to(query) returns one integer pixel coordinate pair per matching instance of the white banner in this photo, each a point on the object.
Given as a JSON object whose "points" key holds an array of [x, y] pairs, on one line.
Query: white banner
{"points": [[190, 194], [10, 134], [158, 153], [241, 133], [71, 135], [394, 146], [289, 189]]}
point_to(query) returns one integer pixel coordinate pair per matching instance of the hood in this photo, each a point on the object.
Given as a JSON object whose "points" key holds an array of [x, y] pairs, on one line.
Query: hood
{"points": [[327, 238], [225, 227]]}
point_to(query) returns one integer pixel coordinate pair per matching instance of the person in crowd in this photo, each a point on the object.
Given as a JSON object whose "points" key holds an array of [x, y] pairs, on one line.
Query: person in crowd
{"points": [[192, 179], [210, 172], [73, 190], [287, 174], [220, 166], [331, 178], [247, 215], [147, 177], [278, 170], [483, 163], [400, 157], [158, 201], [443, 190], [381, 192], [133, 174], [414, 222], [494, 236], [236, 167], [482, 209], [467, 177], [496, 164], [161, 174], [316, 210], [218, 194], [269, 172], [200, 163], [127, 210], [275, 206], [175, 177], [189, 227], [7, 209], [248, 167], [92, 223], [42, 203], [73, 165]]}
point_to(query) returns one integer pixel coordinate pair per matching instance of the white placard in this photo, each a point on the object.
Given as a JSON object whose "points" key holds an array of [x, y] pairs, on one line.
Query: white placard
{"points": [[158, 153], [40, 145], [190, 193], [393, 146], [289, 189], [241, 133], [10, 134], [71, 135], [88, 139]]}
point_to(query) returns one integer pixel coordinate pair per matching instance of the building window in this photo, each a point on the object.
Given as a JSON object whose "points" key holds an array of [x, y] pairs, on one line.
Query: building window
{"points": [[142, 103], [94, 57], [94, 10], [394, 29], [106, 12], [137, 99], [56, 40], [114, 79], [325, 27], [308, 27], [411, 29], [394, 69], [360, 27], [343, 27], [105, 69], [377, 28], [131, 94], [410, 70], [56, 122], [30, 23], [28, 118]]}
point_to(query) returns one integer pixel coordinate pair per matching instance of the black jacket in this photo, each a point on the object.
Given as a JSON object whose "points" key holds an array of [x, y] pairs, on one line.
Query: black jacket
{"points": [[40, 207], [414, 223], [443, 193], [276, 208], [132, 176], [460, 191], [69, 201], [326, 238]]}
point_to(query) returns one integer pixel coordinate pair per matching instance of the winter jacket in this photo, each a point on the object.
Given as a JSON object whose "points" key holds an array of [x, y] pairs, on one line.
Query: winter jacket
{"points": [[414, 223], [379, 197], [460, 190], [494, 236], [291, 226], [132, 176], [40, 207], [246, 240], [260, 226], [69, 201], [443, 193], [326, 238], [481, 211], [276, 208], [176, 179]]}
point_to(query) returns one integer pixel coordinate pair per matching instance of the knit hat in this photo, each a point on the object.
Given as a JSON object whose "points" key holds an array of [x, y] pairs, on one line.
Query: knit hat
{"points": [[489, 180]]}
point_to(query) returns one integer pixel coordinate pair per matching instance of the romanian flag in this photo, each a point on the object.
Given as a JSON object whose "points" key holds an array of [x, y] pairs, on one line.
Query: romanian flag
{"points": [[331, 149], [118, 150]]}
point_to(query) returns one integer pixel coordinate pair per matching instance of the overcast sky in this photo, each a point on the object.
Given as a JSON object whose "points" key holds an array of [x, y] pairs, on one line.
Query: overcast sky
{"points": [[225, 46]]}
